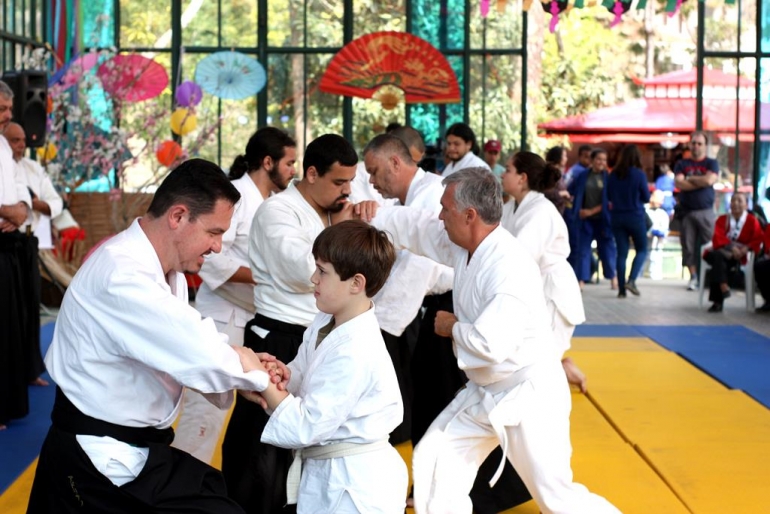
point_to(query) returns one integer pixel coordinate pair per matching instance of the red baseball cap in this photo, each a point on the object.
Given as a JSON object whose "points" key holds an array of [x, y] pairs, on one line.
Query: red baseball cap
{"points": [[493, 145]]}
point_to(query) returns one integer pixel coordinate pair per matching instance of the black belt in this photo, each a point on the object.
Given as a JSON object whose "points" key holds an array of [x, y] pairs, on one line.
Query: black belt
{"points": [[68, 418], [279, 326]]}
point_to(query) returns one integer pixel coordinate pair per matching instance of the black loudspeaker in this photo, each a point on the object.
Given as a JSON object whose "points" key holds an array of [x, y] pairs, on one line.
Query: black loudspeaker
{"points": [[30, 103]]}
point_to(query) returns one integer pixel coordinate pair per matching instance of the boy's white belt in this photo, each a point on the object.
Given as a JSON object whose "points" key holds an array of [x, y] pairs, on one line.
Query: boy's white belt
{"points": [[328, 451]]}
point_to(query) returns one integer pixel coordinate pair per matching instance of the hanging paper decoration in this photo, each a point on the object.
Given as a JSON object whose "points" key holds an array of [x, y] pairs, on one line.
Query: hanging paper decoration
{"points": [[188, 94], [47, 152], [132, 77], [396, 59], [230, 75], [555, 7], [672, 7], [618, 8], [501, 6], [183, 121], [168, 152], [484, 8]]}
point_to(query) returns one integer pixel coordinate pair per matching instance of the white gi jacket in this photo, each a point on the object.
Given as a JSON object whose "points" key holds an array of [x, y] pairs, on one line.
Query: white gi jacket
{"points": [[343, 391], [216, 297], [35, 177], [281, 258], [540, 228], [413, 276], [12, 188], [469, 160], [126, 342], [487, 304]]}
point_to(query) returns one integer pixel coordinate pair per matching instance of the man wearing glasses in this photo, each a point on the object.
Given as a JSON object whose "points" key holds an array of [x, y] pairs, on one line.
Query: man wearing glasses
{"points": [[695, 178]]}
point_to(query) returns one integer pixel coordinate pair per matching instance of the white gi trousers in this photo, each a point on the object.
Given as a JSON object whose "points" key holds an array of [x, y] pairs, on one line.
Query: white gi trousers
{"points": [[200, 422], [530, 420]]}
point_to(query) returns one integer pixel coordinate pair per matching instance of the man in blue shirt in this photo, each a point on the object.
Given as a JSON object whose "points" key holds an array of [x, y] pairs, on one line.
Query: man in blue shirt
{"points": [[695, 178]]}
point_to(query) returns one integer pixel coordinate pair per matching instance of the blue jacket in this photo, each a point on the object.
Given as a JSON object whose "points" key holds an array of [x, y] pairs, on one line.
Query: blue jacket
{"points": [[628, 195], [577, 189]]}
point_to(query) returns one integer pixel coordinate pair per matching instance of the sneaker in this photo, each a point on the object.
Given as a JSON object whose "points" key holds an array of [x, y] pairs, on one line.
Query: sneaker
{"points": [[693, 284], [631, 286], [621, 295]]}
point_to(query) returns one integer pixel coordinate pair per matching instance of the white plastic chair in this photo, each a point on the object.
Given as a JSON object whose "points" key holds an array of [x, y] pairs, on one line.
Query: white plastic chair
{"points": [[748, 275]]}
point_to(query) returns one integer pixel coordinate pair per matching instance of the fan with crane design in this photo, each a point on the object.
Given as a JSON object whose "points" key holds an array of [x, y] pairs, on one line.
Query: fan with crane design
{"points": [[388, 60]]}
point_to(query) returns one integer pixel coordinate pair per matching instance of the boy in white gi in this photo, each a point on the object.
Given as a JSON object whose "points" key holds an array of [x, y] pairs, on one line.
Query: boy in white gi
{"points": [[343, 397], [517, 394]]}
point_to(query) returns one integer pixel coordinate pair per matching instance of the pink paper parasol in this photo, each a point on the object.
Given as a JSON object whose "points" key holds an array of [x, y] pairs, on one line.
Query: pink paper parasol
{"points": [[132, 77]]}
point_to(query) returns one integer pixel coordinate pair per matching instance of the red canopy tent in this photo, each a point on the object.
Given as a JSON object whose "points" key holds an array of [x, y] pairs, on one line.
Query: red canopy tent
{"points": [[669, 106]]}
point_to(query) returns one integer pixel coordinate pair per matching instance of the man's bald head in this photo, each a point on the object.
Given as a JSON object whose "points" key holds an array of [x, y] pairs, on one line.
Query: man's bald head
{"points": [[17, 139]]}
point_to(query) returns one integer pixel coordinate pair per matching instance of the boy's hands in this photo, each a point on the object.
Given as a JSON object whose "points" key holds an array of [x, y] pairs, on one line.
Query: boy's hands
{"points": [[278, 371]]}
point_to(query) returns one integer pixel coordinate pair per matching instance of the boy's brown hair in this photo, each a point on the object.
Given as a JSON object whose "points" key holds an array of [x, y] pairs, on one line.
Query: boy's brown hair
{"points": [[356, 247]]}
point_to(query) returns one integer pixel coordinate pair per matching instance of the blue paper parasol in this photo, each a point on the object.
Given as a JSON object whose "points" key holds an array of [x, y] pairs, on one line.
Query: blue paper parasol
{"points": [[230, 75]]}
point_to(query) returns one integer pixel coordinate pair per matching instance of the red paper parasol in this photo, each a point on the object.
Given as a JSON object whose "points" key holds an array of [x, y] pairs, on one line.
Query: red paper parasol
{"points": [[397, 59], [132, 78]]}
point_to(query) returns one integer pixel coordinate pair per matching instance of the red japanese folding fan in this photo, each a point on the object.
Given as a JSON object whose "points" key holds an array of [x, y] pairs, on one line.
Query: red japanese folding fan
{"points": [[395, 59]]}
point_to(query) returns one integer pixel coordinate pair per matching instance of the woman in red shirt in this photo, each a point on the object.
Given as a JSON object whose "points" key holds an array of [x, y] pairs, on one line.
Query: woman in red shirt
{"points": [[735, 235]]}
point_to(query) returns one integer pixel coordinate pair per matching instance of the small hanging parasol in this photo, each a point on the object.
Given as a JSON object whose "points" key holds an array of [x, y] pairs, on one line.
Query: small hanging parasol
{"points": [[230, 75], [72, 72], [394, 59], [132, 77]]}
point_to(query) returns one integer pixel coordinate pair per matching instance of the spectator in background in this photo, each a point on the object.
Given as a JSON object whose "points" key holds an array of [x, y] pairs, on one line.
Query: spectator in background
{"points": [[695, 177], [657, 233], [492, 149], [664, 183], [762, 271], [627, 192], [461, 149], [592, 217], [558, 194], [735, 235], [582, 164]]}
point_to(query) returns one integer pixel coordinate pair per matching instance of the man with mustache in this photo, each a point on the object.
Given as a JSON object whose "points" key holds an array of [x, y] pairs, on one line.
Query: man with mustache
{"points": [[227, 292], [126, 344], [280, 255]]}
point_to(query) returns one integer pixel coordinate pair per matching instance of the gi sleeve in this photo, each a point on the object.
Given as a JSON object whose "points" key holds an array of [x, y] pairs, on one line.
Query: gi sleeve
{"points": [[152, 326], [418, 231]]}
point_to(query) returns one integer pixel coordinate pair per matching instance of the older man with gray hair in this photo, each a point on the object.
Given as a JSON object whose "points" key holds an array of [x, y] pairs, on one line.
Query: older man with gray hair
{"points": [[517, 395], [15, 203]]}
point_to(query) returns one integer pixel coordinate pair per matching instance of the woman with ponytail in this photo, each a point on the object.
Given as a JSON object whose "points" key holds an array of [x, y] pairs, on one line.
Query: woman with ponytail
{"points": [[536, 223], [227, 291]]}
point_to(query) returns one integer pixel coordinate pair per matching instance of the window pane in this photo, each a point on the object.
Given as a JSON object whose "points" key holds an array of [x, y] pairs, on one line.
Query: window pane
{"points": [[145, 23], [239, 23], [324, 110], [238, 124], [495, 99], [98, 24], [765, 26], [286, 95], [202, 30], [370, 118], [372, 16], [286, 24], [763, 166], [497, 30], [721, 27], [324, 23]]}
